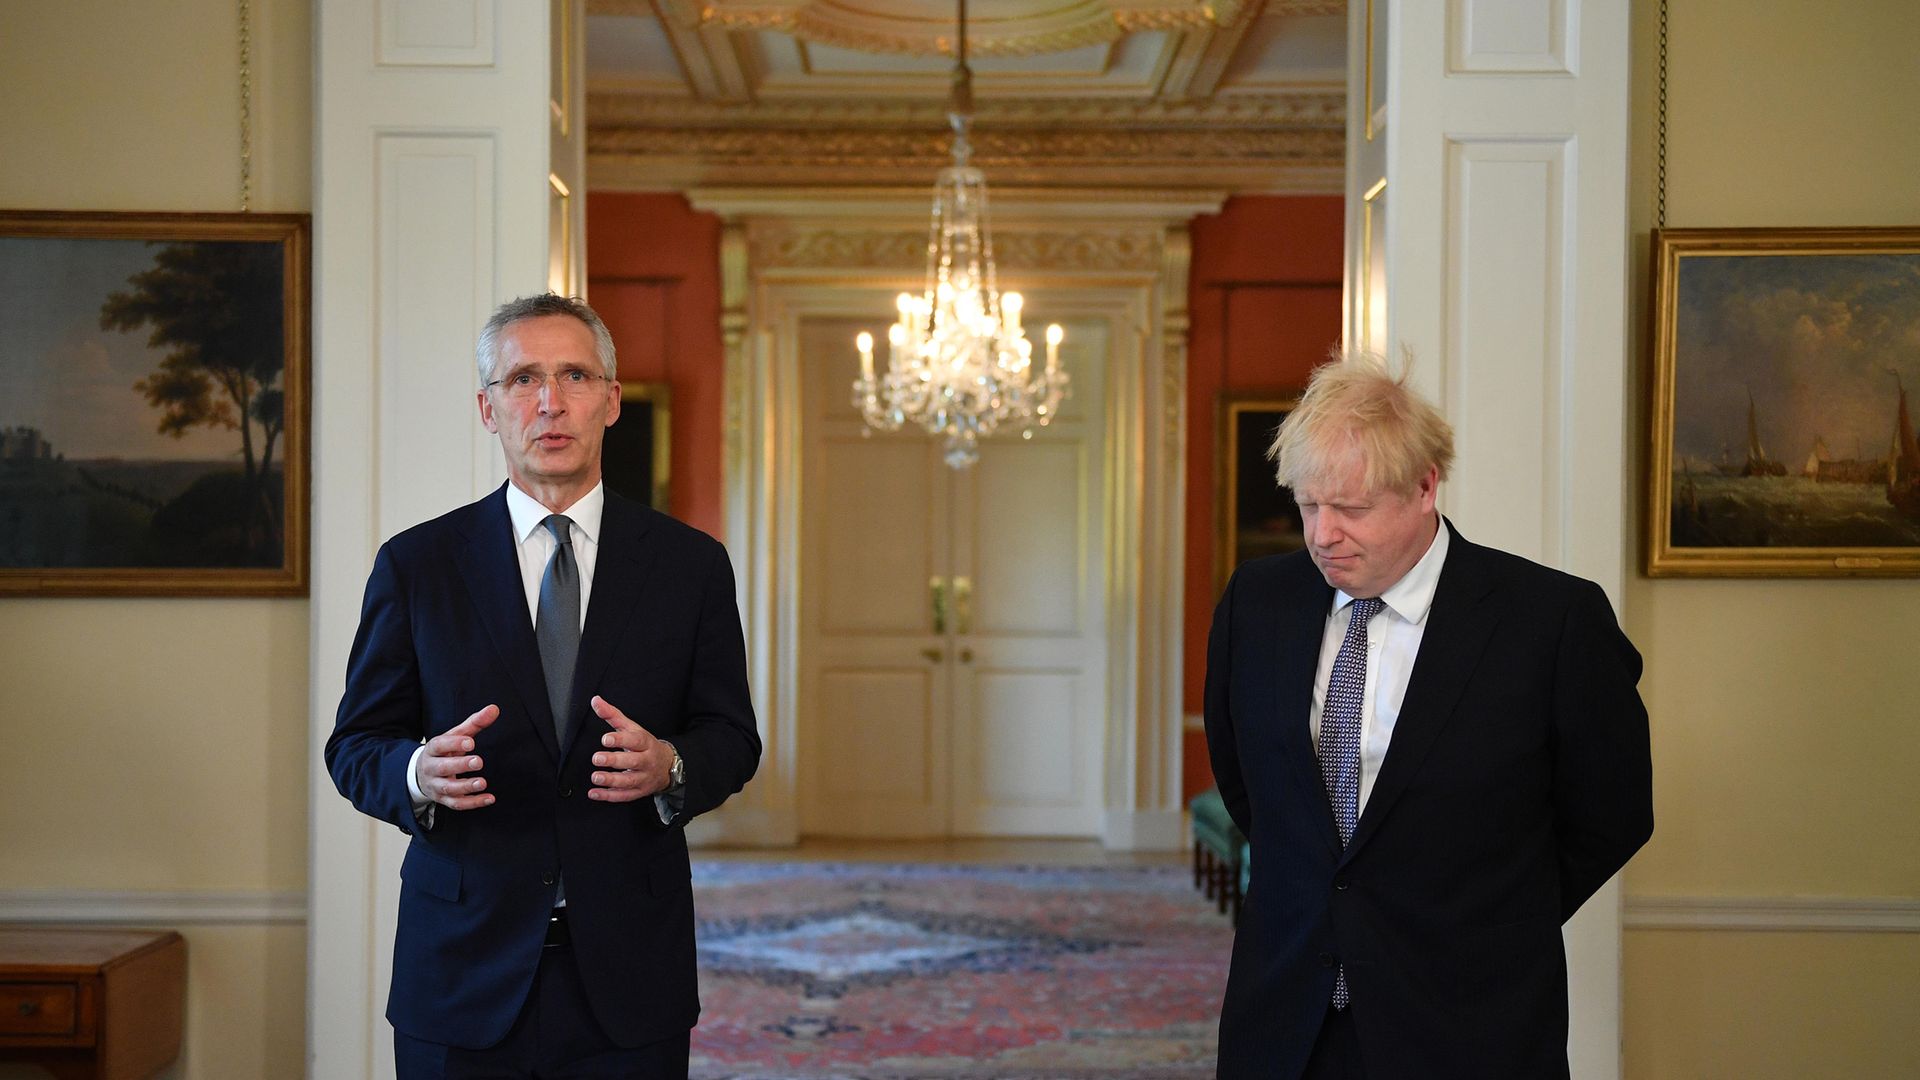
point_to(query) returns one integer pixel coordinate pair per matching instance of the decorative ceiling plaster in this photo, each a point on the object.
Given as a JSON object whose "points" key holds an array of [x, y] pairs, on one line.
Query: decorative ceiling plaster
{"points": [[1237, 94]]}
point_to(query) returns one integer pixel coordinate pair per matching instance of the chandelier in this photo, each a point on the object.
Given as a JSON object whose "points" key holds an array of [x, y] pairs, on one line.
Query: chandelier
{"points": [[958, 360]]}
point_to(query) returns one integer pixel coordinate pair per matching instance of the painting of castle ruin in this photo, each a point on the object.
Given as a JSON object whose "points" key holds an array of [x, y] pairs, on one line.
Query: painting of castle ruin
{"points": [[1786, 364], [153, 440]]}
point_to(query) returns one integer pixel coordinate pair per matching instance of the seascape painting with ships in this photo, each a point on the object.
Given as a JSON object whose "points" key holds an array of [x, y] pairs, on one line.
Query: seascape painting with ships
{"points": [[1795, 380], [146, 421]]}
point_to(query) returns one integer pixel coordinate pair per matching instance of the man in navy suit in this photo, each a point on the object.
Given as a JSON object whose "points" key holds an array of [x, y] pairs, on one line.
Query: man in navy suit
{"points": [[1437, 753], [545, 686]]}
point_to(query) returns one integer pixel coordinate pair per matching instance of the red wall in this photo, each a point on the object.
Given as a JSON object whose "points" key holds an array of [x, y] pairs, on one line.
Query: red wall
{"points": [[1264, 305], [653, 274]]}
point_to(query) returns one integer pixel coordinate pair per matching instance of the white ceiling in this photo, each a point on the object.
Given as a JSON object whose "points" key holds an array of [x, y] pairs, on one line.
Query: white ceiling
{"points": [[1241, 94]]}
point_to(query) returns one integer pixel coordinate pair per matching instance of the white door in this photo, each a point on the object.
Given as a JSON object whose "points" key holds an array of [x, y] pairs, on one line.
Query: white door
{"points": [[952, 646]]}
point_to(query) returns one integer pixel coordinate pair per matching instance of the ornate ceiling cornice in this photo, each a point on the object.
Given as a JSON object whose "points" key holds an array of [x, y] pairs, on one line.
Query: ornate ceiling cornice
{"points": [[991, 149], [1321, 110], [903, 30], [1035, 252]]}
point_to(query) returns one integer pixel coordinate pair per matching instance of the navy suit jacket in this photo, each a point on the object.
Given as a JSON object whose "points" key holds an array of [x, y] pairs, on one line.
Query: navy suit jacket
{"points": [[444, 632], [1517, 782]]}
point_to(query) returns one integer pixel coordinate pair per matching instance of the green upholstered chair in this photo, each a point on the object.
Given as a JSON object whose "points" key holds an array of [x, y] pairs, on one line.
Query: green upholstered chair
{"points": [[1220, 853]]}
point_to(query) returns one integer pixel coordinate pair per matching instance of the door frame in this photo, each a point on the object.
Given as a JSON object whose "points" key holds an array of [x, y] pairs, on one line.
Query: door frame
{"points": [[788, 255]]}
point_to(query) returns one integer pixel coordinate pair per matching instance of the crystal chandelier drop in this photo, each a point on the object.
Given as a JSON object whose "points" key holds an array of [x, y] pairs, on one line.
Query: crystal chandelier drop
{"points": [[958, 361]]}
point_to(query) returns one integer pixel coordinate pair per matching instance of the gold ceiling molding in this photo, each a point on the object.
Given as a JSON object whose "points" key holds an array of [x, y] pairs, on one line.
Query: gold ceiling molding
{"points": [[781, 247], [1325, 110], [927, 29], [883, 149]]}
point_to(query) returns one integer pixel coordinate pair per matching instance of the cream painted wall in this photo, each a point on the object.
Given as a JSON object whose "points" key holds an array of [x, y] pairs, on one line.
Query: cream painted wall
{"points": [[161, 744], [1786, 714]]}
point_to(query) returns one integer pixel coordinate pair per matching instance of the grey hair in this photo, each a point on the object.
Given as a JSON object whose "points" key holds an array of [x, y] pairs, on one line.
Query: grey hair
{"points": [[486, 352], [1356, 404]]}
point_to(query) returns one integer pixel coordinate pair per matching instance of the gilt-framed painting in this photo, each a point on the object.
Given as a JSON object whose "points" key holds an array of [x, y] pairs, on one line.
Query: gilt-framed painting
{"points": [[154, 436], [1257, 516], [636, 459], [1782, 441]]}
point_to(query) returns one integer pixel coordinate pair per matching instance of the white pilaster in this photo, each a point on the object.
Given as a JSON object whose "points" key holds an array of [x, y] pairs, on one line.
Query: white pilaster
{"points": [[431, 165], [1497, 229]]}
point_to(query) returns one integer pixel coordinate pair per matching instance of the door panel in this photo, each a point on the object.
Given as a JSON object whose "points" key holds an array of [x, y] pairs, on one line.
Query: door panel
{"points": [[1027, 544], [1030, 703], [875, 688], [986, 721], [878, 528]]}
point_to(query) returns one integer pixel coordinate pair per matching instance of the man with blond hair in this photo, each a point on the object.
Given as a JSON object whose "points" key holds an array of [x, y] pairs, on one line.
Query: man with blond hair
{"points": [[1437, 753]]}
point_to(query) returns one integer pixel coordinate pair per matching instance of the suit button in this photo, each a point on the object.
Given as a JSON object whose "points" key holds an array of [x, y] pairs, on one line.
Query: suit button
{"points": [[1341, 883], [546, 878], [566, 791], [1327, 960]]}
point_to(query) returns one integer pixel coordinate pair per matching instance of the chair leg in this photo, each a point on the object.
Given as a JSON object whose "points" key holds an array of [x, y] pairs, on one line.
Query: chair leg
{"points": [[1226, 883], [1198, 850]]}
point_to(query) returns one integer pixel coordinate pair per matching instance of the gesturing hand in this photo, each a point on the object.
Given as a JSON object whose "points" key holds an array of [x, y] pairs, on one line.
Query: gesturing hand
{"points": [[443, 772], [634, 764]]}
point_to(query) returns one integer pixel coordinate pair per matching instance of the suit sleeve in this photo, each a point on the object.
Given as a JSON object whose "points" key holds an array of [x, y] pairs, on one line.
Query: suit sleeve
{"points": [[379, 724], [1603, 770], [1222, 749], [720, 741]]}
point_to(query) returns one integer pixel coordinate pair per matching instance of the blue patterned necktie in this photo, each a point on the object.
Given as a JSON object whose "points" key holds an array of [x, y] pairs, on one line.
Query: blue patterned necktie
{"points": [[1340, 737]]}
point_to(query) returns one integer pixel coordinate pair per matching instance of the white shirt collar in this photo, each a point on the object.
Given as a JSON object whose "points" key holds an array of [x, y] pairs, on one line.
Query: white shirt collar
{"points": [[527, 513], [1412, 596]]}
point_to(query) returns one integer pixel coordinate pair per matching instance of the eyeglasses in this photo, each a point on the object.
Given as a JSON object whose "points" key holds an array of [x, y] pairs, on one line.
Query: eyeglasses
{"points": [[526, 385]]}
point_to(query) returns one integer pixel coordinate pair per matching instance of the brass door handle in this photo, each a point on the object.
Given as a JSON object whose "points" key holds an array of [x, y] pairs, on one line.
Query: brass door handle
{"points": [[933, 656], [963, 605], [938, 585], [966, 656]]}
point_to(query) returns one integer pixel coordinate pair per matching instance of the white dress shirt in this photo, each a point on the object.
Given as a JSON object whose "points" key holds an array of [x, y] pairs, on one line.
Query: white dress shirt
{"points": [[1393, 643]]}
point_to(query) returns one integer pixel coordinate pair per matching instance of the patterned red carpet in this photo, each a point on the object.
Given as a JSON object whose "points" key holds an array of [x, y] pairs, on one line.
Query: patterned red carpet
{"points": [[875, 972]]}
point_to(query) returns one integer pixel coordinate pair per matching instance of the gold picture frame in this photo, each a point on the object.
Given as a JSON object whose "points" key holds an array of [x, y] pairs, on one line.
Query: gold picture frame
{"points": [[1781, 441], [155, 440], [1257, 517], [637, 457]]}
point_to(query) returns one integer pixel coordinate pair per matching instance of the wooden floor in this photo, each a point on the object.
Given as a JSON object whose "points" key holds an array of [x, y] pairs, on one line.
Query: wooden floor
{"points": [[991, 852]]}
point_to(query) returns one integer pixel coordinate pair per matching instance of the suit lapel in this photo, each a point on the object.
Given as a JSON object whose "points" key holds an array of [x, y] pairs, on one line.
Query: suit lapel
{"points": [[1458, 628], [490, 566], [619, 576], [1302, 617]]}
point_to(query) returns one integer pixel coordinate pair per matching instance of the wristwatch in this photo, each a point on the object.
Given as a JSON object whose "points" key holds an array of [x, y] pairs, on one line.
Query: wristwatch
{"points": [[677, 772]]}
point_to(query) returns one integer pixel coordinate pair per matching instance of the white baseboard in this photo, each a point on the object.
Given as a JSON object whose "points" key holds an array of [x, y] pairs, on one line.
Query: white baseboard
{"points": [[1877, 915], [1145, 830], [222, 907]]}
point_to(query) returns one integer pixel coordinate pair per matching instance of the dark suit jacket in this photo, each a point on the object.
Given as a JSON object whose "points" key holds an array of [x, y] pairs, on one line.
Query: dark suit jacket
{"points": [[445, 632], [1517, 782]]}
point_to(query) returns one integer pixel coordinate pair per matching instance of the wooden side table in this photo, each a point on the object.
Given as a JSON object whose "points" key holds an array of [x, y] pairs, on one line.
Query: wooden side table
{"points": [[98, 1004]]}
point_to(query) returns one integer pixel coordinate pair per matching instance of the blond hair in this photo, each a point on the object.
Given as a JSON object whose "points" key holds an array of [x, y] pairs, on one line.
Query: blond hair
{"points": [[1355, 405]]}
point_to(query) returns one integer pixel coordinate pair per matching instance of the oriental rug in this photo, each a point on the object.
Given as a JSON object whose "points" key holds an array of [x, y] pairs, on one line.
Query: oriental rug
{"points": [[822, 971]]}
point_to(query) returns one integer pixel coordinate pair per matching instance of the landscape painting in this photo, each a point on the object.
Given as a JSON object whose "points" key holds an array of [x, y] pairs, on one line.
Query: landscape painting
{"points": [[1783, 438], [154, 437]]}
